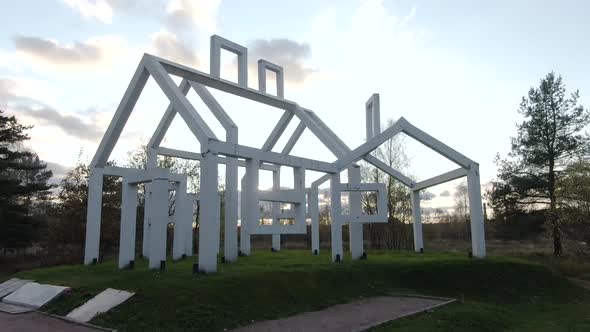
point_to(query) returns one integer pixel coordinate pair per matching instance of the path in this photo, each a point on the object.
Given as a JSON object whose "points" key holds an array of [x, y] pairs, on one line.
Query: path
{"points": [[355, 316], [38, 322]]}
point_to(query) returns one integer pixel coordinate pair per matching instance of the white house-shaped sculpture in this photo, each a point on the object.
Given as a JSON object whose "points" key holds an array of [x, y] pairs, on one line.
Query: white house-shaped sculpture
{"points": [[228, 151]]}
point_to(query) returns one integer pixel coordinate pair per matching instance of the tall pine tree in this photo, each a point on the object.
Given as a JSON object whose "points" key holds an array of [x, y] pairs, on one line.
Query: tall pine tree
{"points": [[549, 139], [23, 183]]}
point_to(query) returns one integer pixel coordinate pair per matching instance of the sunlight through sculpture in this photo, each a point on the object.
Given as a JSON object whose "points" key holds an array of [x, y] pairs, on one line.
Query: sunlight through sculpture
{"points": [[214, 151]]}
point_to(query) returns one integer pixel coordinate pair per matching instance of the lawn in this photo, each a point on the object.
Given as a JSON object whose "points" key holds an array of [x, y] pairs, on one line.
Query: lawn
{"points": [[497, 293]]}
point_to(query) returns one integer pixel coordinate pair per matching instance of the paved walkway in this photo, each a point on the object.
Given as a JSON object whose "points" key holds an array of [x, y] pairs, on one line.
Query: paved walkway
{"points": [[38, 322], [355, 316]]}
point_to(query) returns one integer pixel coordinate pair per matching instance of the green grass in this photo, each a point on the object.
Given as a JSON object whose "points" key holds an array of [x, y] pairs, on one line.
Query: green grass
{"points": [[498, 293]]}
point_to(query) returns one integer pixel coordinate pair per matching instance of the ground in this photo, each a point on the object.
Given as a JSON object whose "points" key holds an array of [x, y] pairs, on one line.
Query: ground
{"points": [[495, 294]]}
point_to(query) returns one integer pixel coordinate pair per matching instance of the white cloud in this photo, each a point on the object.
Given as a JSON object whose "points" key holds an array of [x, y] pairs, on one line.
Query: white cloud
{"points": [[94, 53], [169, 46], [100, 10], [183, 15], [284, 52]]}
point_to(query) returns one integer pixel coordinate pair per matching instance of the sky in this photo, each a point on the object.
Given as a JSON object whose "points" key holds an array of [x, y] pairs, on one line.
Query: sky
{"points": [[455, 69]]}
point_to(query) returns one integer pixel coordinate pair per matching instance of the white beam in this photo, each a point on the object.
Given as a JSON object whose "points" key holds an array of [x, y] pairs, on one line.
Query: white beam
{"points": [[198, 156], [159, 223], [223, 85], [446, 177], [93, 216], [209, 215], [389, 170], [194, 121], [355, 230], [128, 224], [478, 239], [315, 220], [121, 116], [417, 221], [277, 131], [276, 208], [241, 151], [368, 146], [335, 212], [282, 196], [167, 119], [220, 114], [294, 138], [434, 144]]}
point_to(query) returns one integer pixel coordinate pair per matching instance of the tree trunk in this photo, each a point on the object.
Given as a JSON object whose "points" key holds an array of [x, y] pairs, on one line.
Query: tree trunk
{"points": [[553, 218]]}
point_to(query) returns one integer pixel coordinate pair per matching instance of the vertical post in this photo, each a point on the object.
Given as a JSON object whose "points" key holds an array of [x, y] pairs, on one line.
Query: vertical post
{"points": [[147, 202], [299, 209], [355, 229], [151, 162], [159, 222], [250, 200], [208, 214], [230, 240], [417, 224], [336, 225], [244, 232], [478, 240], [128, 224], [93, 216], [190, 217], [276, 209], [315, 220], [180, 219]]}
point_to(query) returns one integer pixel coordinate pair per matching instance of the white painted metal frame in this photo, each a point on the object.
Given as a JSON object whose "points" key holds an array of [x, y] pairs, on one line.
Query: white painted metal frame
{"points": [[233, 155]]}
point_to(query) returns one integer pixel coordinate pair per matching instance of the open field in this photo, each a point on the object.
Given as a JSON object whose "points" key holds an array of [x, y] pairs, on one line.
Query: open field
{"points": [[498, 293]]}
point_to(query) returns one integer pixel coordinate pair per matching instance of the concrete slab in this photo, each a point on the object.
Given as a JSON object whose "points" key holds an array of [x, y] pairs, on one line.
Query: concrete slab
{"points": [[355, 316], [11, 285], [103, 302], [34, 295], [13, 309]]}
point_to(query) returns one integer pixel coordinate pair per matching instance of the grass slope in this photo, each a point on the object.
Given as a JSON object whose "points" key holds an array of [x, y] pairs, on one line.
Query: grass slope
{"points": [[498, 293]]}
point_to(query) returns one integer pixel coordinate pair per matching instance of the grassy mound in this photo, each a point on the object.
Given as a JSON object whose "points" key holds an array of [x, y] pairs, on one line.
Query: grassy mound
{"points": [[497, 293]]}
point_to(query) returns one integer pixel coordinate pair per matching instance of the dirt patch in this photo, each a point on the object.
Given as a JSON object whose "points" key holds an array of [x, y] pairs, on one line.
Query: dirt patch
{"points": [[354, 316]]}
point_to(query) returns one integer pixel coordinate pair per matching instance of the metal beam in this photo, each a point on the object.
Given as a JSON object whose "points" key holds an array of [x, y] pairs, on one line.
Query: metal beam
{"points": [[166, 120], [194, 121], [198, 156], [436, 145], [446, 177], [368, 146], [294, 138], [111, 136], [241, 151], [277, 131]]}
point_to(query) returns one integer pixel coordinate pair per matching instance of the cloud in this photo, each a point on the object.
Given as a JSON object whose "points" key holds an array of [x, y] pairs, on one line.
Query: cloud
{"points": [[100, 10], [95, 51], [427, 195], [284, 52], [70, 124], [51, 51], [185, 15], [445, 193], [169, 46], [104, 10], [13, 98], [408, 17]]}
